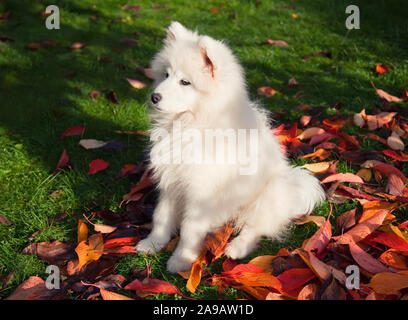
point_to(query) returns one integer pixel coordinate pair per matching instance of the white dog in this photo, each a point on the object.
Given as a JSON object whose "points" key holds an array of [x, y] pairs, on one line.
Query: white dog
{"points": [[200, 84]]}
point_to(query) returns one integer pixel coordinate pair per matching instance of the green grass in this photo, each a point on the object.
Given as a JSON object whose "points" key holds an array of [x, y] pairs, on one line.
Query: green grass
{"points": [[38, 102]]}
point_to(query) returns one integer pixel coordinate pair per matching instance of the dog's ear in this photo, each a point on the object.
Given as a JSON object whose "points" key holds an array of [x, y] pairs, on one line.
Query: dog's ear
{"points": [[175, 31], [205, 49]]}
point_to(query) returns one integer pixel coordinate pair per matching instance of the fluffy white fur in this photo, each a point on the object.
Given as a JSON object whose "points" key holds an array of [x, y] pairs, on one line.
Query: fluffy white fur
{"points": [[198, 198]]}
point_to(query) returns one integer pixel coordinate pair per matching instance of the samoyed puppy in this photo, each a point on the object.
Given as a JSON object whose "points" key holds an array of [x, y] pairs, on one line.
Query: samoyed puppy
{"points": [[200, 89]]}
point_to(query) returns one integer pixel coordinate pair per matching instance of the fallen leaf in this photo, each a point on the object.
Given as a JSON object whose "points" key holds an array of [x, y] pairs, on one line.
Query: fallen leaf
{"points": [[77, 45], [318, 220], [62, 162], [89, 251], [399, 156], [343, 177], [267, 91], [381, 68], [310, 132], [279, 43], [136, 83], [82, 231], [362, 229], [388, 282], [72, 131], [384, 95], [308, 292], [55, 252], [395, 142], [97, 165], [395, 186], [108, 295], [394, 259], [294, 278], [91, 143], [365, 260]]}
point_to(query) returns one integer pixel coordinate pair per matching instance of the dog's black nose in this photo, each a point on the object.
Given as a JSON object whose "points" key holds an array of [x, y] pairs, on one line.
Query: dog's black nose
{"points": [[156, 97]]}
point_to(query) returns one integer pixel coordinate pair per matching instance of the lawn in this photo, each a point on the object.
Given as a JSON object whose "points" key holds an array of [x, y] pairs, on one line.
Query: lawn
{"points": [[45, 91]]}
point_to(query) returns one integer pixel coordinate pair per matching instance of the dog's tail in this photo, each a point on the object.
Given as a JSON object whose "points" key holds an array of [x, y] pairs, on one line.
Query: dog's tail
{"points": [[310, 192]]}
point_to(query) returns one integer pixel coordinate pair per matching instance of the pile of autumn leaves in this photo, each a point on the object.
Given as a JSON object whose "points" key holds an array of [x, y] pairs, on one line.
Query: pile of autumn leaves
{"points": [[369, 236]]}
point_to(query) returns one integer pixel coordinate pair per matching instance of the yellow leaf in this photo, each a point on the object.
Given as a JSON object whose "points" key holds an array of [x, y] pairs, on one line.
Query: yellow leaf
{"points": [[388, 282], [91, 251]]}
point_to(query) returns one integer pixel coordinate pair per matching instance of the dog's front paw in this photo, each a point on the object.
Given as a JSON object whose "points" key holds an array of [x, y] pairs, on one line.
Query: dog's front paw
{"points": [[236, 250], [178, 264], [148, 245]]}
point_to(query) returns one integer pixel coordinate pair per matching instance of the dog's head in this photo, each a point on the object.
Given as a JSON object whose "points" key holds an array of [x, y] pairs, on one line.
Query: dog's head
{"points": [[190, 69]]}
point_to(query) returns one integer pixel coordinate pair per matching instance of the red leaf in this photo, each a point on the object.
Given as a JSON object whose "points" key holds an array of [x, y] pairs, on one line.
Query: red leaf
{"points": [[62, 162], [388, 169], [267, 91], [365, 260], [120, 242], [294, 278], [396, 155], [97, 165], [363, 229], [72, 131], [381, 68], [154, 286], [343, 177], [389, 239], [319, 241]]}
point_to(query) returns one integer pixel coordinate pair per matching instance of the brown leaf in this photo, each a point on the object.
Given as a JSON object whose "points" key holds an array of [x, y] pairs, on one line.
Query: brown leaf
{"points": [[4, 220], [55, 252], [389, 283], [331, 290], [112, 97], [279, 43], [395, 186]]}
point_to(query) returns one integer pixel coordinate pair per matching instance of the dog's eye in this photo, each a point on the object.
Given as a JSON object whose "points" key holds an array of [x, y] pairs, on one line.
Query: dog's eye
{"points": [[166, 75], [184, 82]]}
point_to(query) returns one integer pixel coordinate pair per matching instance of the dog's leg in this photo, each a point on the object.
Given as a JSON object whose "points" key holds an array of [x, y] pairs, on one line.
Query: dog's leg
{"points": [[243, 244], [165, 220], [193, 230]]}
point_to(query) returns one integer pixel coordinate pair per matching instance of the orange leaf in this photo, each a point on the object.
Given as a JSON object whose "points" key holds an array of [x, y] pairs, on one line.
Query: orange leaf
{"points": [[279, 43], [310, 132], [264, 262], [267, 91], [91, 251], [381, 68], [108, 295], [195, 275], [320, 154], [136, 83], [388, 283], [395, 260], [82, 231], [370, 208], [216, 242]]}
